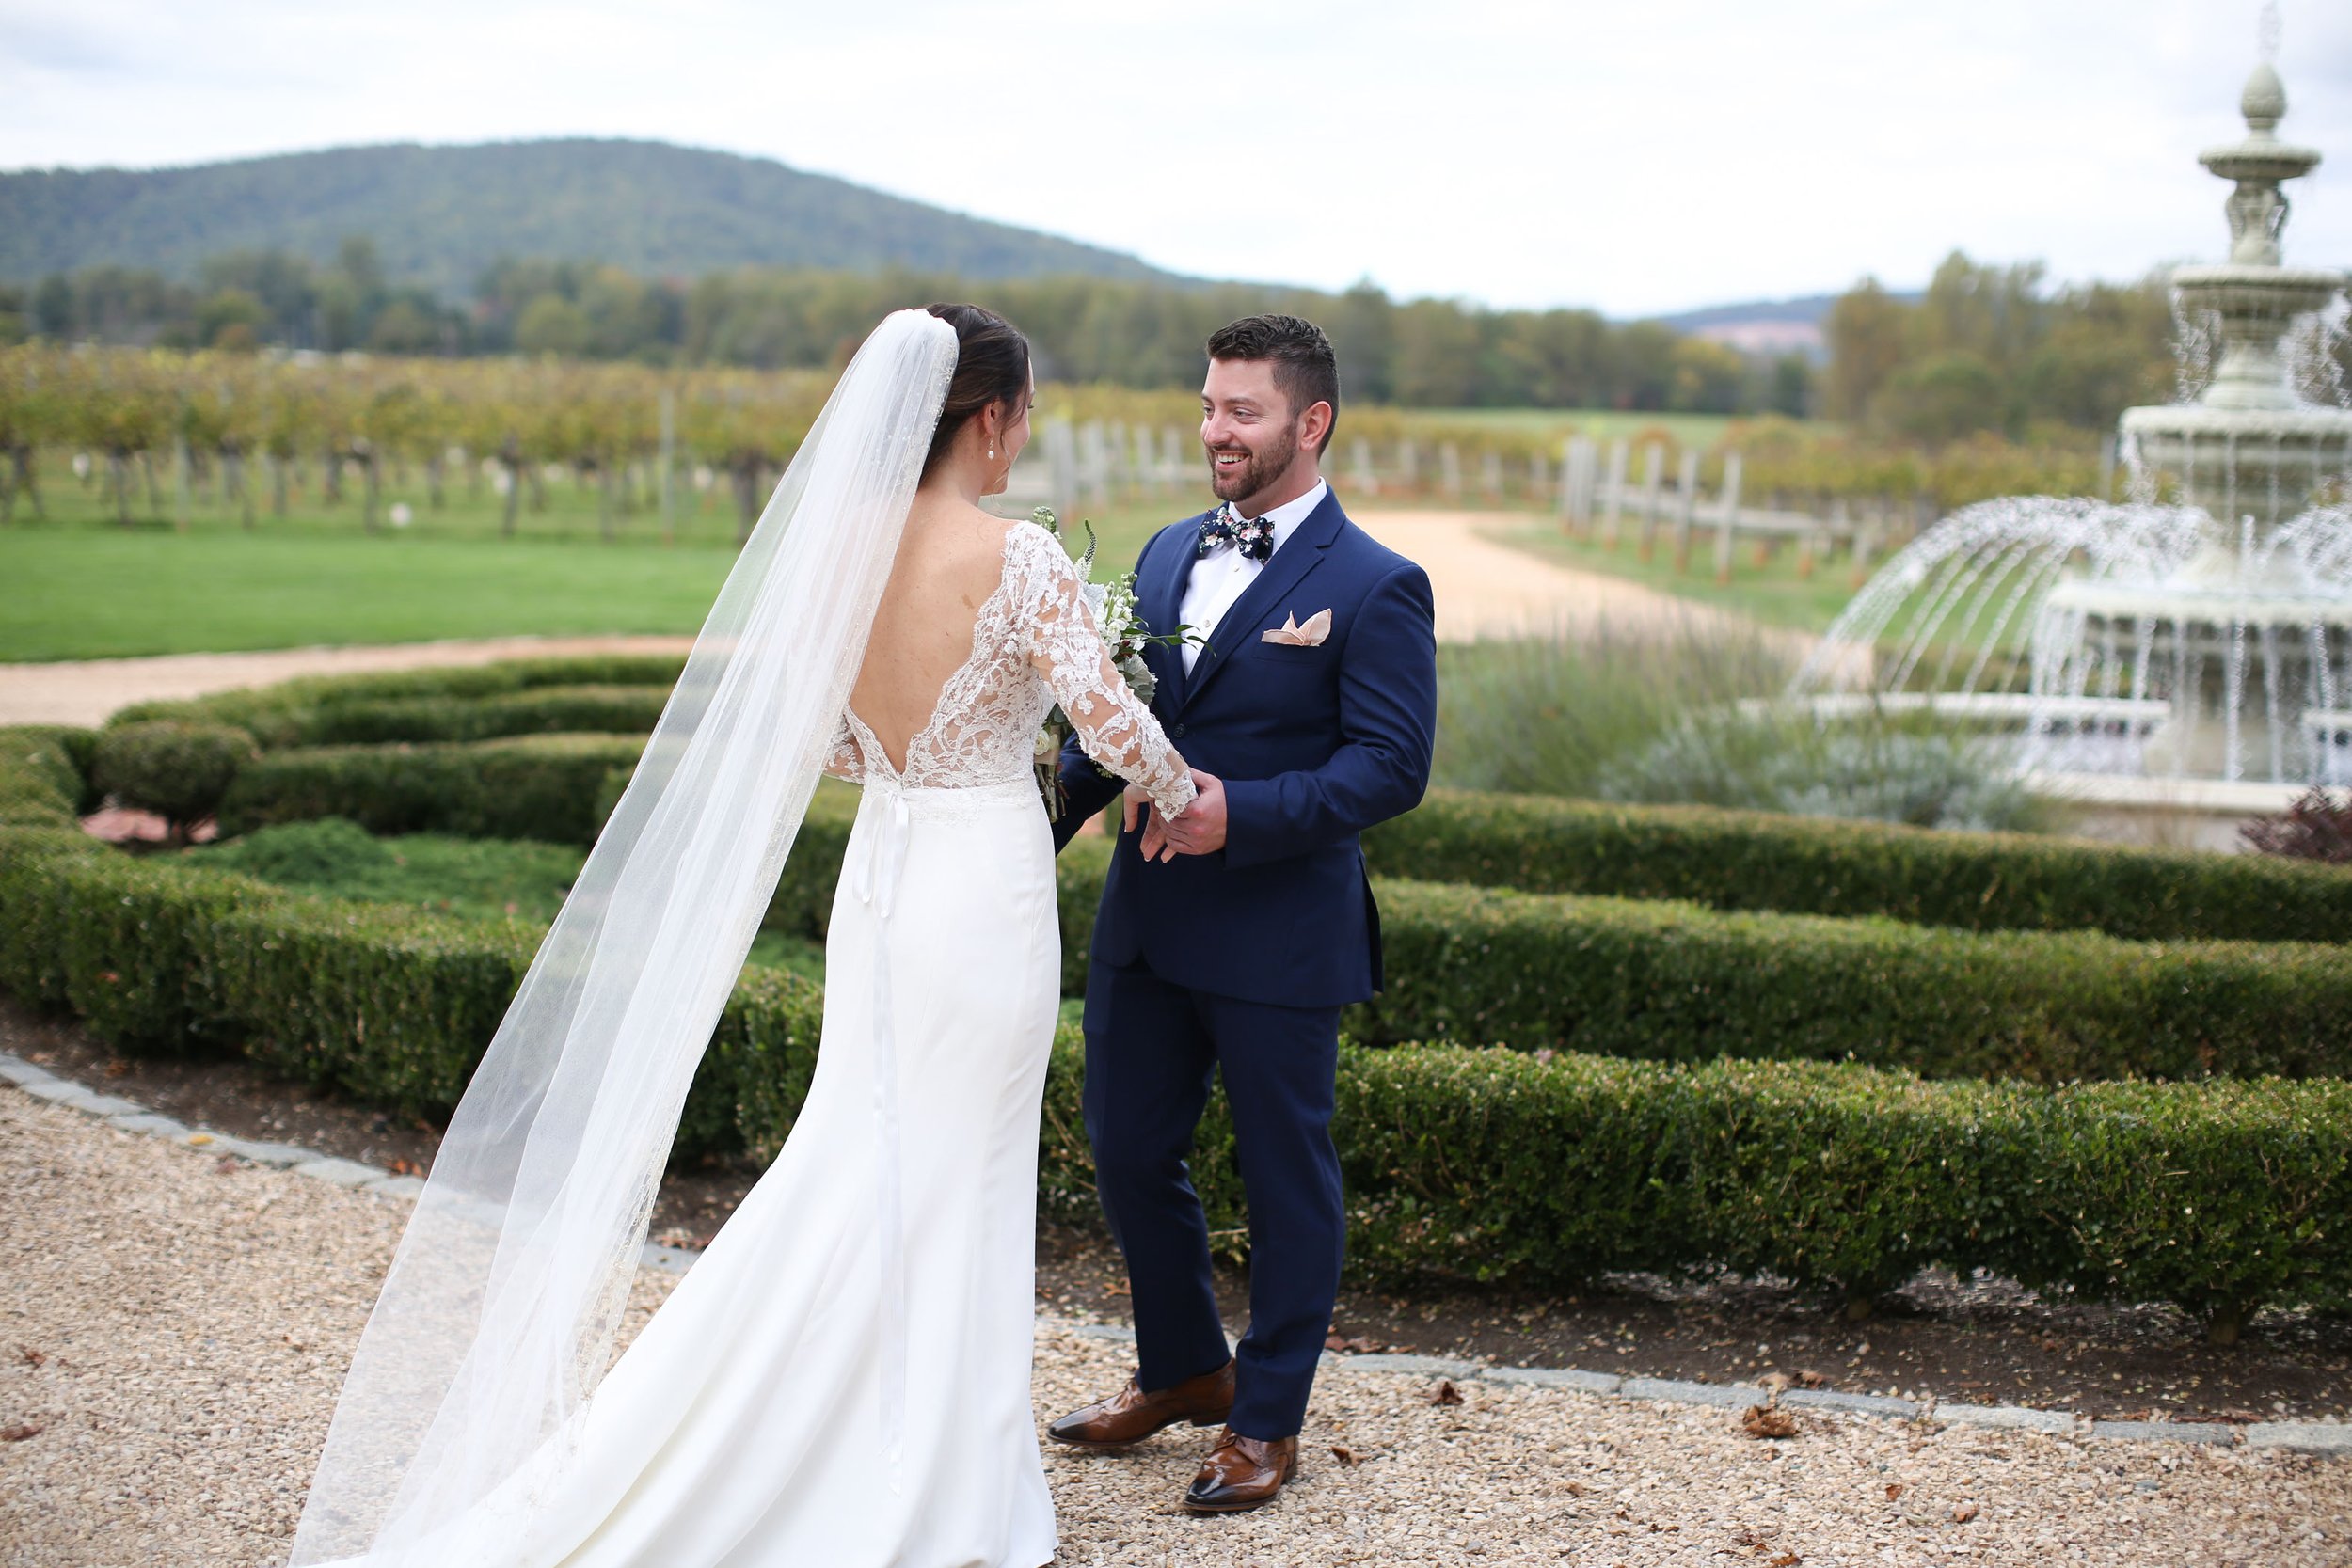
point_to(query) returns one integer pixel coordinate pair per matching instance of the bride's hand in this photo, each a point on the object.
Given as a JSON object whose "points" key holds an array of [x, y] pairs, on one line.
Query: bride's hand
{"points": [[1135, 806]]}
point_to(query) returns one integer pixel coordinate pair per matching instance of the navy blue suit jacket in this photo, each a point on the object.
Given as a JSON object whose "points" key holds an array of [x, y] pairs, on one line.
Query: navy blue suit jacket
{"points": [[1314, 745]]}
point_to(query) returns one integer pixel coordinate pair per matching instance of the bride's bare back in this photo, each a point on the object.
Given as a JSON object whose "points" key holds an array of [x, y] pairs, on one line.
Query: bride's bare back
{"points": [[949, 562]]}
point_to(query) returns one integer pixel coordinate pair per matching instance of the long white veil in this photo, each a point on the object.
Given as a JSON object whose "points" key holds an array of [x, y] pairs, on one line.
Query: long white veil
{"points": [[499, 1314]]}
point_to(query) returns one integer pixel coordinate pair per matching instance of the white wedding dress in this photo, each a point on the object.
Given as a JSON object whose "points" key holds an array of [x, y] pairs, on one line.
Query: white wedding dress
{"points": [[842, 1379]]}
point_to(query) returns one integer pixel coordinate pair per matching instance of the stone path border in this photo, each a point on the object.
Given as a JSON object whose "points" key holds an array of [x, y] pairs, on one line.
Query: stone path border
{"points": [[2326, 1439]]}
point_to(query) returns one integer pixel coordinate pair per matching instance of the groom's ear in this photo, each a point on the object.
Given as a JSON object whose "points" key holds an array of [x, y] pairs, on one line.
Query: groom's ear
{"points": [[1314, 426]]}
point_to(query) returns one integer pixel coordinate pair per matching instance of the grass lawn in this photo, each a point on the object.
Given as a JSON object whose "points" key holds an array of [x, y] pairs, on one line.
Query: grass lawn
{"points": [[473, 878], [91, 593], [80, 586]]}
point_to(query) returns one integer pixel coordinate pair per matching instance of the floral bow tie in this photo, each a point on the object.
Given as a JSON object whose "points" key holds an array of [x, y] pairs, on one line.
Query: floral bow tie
{"points": [[1254, 538]]}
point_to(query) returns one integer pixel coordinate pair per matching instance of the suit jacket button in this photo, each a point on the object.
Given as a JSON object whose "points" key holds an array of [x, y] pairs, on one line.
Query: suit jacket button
{"points": [[1177, 733]]}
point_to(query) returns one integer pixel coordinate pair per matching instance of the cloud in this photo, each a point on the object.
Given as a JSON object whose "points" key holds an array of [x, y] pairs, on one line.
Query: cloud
{"points": [[1637, 158]]}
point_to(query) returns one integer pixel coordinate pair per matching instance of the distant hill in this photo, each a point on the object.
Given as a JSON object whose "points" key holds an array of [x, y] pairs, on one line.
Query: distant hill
{"points": [[440, 214], [1766, 325]]}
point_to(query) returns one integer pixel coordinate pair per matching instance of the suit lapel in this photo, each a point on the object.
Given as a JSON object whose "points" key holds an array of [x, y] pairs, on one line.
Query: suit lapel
{"points": [[1299, 555], [1161, 593]]}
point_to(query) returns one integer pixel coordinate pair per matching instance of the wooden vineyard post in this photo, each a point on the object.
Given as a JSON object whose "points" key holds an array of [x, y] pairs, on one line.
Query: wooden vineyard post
{"points": [[1730, 519]]}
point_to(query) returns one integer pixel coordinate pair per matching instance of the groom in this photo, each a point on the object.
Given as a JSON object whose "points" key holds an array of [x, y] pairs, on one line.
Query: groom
{"points": [[1230, 937]]}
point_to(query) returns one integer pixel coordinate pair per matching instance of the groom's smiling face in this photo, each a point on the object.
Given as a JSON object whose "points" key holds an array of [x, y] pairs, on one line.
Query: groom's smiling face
{"points": [[1251, 430]]}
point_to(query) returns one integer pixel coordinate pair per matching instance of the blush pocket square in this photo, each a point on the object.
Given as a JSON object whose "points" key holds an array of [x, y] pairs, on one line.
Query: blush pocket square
{"points": [[1297, 634]]}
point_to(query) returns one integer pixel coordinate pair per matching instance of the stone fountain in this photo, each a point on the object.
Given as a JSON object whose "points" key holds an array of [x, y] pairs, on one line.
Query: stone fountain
{"points": [[2198, 634]]}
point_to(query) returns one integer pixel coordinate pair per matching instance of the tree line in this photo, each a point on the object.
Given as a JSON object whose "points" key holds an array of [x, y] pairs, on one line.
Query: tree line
{"points": [[1419, 354], [1996, 349]]}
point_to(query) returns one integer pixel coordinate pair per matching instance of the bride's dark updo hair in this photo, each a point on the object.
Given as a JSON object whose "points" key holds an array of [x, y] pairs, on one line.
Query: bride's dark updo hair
{"points": [[991, 366]]}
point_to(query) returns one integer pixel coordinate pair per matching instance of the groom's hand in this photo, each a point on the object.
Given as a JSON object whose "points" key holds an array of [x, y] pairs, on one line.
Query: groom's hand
{"points": [[1199, 829]]}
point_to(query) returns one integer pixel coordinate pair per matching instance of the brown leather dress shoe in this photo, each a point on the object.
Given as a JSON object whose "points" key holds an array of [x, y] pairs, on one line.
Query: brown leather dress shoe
{"points": [[1131, 1415], [1242, 1473]]}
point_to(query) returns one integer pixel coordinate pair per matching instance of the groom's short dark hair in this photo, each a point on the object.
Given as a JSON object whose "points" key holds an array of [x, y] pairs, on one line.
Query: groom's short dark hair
{"points": [[1304, 366]]}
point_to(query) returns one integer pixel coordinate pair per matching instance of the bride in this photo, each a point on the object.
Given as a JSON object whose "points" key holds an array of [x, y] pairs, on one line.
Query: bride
{"points": [[843, 1379]]}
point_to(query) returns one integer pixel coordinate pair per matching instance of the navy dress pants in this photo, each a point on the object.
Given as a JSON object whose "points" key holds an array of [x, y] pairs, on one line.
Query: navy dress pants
{"points": [[1150, 1049]]}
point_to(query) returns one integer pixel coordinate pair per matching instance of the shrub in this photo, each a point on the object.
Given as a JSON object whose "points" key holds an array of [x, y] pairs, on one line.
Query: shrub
{"points": [[1755, 861], [42, 775], [1497, 1165], [1659, 979], [297, 712], [540, 786], [180, 771], [2313, 827], [485, 877], [539, 711], [331, 850], [1872, 770], [1494, 1165]]}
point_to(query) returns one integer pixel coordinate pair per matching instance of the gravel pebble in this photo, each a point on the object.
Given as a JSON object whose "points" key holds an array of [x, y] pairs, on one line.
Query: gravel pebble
{"points": [[187, 1318]]}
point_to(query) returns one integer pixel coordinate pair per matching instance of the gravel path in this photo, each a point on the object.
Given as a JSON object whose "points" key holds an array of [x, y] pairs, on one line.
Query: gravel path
{"points": [[85, 691], [1487, 589], [173, 1325]]}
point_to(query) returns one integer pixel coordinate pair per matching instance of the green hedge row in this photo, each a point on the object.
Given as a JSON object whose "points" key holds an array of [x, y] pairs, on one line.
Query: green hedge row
{"points": [[534, 787], [1733, 860], [1726, 860], [1497, 1165], [329, 709], [1645, 978], [541, 710], [1676, 981]]}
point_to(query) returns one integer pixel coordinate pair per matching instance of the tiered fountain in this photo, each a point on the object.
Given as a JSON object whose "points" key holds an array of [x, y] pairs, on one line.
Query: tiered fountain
{"points": [[2199, 650]]}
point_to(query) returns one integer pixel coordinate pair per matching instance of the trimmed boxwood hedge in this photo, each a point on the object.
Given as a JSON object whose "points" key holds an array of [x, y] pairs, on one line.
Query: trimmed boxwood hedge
{"points": [[307, 710], [1628, 977], [1495, 1165], [1674, 980], [534, 786], [1639, 977], [1725, 859], [541, 710], [1735, 860]]}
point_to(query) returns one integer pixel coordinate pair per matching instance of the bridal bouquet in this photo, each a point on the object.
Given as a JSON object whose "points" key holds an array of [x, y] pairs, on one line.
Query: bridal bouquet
{"points": [[1114, 607]]}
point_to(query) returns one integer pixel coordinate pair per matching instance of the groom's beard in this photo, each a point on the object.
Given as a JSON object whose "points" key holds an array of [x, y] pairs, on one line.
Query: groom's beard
{"points": [[1258, 470]]}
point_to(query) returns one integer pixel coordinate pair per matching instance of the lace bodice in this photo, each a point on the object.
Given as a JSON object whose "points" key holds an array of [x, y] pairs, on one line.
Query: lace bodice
{"points": [[1034, 643]]}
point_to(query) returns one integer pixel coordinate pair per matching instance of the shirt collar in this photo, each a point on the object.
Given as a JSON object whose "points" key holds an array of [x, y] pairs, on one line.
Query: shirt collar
{"points": [[1287, 516]]}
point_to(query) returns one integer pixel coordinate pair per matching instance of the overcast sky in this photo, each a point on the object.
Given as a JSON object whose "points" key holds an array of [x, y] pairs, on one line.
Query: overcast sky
{"points": [[1639, 157]]}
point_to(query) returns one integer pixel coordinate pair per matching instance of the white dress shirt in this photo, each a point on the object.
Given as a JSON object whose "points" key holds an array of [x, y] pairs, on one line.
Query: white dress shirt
{"points": [[1220, 576]]}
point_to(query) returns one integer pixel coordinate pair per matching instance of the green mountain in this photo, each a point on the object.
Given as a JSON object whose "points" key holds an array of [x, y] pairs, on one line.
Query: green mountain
{"points": [[440, 214]]}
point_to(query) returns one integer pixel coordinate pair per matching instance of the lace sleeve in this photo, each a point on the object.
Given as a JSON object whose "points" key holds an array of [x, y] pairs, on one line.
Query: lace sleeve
{"points": [[842, 759], [1065, 646]]}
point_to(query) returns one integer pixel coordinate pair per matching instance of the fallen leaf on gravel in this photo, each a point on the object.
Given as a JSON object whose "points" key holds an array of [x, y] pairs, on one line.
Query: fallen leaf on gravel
{"points": [[116, 1070], [1360, 1345], [1810, 1380], [1963, 1513], [1894, 1490], [1345, 1456], [1445, 1393], [1759, 1421], [1577, 1489], [17, 1433], [32, 1357], [1785, 1559], [1775, 1382], [404, 1168]]}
